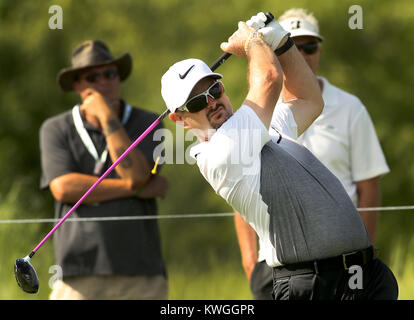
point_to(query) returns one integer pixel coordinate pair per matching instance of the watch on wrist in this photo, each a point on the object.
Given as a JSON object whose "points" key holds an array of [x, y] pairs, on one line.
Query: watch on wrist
{"points": [[286, 46], [252, 36]]}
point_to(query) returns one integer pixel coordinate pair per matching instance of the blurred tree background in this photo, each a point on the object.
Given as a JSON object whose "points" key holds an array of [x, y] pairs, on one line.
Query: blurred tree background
{"points": [[202, 255]]}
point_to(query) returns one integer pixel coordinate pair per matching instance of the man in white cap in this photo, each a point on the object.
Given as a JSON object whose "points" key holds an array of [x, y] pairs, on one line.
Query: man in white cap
{"points": [[343, 138], [295, 204]]}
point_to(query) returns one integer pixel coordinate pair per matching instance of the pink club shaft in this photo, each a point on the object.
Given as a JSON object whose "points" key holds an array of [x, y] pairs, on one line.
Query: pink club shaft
{"points": [[132, 146]]}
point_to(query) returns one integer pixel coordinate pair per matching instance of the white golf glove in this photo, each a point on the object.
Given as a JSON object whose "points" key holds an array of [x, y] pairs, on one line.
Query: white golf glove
{"points": [[273, 33]]}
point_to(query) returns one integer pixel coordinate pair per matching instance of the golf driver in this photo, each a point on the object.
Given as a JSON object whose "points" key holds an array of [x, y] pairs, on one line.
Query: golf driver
{"points": [[24, 271]]}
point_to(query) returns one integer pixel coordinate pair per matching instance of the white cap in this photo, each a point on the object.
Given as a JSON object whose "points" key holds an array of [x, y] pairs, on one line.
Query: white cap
{"points": [[300, 27], [180, 79]]}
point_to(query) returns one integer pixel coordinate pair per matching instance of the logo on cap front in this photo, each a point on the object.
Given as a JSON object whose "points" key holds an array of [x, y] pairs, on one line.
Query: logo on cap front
{"points": [[296, 24], [185, 74]]}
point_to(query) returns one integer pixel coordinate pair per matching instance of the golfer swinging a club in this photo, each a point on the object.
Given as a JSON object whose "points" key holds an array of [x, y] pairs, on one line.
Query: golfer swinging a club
{"points": [[294, 203]]}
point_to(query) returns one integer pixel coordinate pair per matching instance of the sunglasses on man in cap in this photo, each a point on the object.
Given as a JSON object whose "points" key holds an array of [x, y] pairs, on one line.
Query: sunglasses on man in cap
{"points": [[308, 47], [200, 101]]}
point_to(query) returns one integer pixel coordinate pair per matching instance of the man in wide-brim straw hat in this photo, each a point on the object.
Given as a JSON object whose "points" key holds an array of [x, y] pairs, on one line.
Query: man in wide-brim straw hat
{"points": [[91, 54], [101, 260]]}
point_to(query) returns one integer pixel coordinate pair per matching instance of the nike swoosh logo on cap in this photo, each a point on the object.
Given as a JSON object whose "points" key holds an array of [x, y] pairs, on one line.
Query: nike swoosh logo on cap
{"points": [[185, 74]]}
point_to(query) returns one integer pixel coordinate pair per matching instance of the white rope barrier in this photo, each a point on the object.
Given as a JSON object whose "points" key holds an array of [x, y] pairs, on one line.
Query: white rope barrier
{"points": [[387, 208], [171, 216], [124, 218]]}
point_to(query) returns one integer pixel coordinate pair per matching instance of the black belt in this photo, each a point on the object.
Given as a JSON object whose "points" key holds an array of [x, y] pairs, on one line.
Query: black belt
{"points": [[342, 262]]}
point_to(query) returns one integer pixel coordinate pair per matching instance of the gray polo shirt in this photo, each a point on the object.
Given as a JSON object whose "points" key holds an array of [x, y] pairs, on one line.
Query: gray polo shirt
{"points": [[109, 247]]}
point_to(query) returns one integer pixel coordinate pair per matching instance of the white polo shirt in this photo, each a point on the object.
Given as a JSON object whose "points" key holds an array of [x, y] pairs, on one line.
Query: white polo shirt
{"points": [[343, 138]]}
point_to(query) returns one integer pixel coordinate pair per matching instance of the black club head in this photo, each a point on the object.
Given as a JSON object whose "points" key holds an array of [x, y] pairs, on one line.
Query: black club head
{"points": [[26, 275]]}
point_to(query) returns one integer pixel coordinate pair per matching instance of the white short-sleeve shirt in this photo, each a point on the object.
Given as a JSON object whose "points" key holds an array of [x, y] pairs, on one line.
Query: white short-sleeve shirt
{"points": [[230, 162], [343, 138]]}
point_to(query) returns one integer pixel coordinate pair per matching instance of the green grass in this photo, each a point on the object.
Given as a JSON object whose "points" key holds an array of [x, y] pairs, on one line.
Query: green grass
{"points": [[402, 264], [17, 241], [218, 280]]}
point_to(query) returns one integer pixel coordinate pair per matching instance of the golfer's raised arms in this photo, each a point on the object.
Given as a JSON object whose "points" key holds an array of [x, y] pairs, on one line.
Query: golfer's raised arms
{"points": [[300, 89], [265, 72], [300, 86]]}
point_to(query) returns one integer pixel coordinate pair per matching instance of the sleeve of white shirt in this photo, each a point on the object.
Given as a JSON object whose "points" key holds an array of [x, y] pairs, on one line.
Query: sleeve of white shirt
{"points": [[367, 158], [232, 150], [283, 121]]}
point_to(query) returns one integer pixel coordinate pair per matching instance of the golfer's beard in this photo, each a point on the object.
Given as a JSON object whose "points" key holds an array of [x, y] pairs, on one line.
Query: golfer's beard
{"points": [[217, 124]]}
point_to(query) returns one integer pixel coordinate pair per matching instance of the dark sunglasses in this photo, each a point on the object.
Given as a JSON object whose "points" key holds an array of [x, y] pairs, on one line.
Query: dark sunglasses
{"points": [[309, 47], [200, 101], [94, 77]]}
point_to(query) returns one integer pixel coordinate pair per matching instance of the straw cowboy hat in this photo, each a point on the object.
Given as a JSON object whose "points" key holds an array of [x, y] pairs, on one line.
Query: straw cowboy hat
{"points": [[92, 53]]}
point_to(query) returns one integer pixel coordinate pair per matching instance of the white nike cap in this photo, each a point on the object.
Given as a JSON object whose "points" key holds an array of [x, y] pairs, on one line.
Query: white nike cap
{"points": [[300, 27], [180, 79]]}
